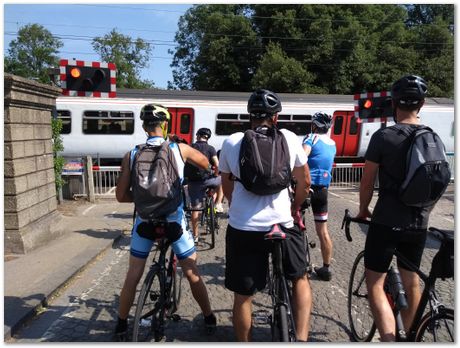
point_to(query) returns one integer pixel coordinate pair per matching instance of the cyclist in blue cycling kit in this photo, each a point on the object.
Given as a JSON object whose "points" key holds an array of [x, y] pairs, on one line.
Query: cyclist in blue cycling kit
{"points": [[320, 149], [155, 123]]}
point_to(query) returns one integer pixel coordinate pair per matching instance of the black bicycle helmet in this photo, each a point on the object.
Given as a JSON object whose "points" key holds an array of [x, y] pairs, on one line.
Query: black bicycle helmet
{"points": [[322, 120], [204, 132], [409, 90], [263, 103], [154, 113]]}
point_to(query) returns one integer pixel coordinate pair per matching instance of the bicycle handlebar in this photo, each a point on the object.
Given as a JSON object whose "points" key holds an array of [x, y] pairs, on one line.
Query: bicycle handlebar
{"points": [[347, 219]]}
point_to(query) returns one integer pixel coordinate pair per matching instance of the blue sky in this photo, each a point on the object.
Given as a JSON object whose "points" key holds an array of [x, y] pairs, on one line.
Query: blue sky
{"points": [[78, 23]]}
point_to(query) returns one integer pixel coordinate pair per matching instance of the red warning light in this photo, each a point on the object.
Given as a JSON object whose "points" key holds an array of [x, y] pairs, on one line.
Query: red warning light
{"points": [[75, 73], [367, 104]]}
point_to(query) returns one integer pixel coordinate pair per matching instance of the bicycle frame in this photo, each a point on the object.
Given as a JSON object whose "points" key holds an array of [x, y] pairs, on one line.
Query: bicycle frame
{"points": [[428, 296]]}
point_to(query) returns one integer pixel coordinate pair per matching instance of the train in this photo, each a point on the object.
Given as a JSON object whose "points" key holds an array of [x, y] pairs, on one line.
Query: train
{"points": [[106, 128]]}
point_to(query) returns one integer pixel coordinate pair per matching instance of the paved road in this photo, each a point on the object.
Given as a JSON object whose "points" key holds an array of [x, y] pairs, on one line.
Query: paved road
{"points": [[86, 309]]}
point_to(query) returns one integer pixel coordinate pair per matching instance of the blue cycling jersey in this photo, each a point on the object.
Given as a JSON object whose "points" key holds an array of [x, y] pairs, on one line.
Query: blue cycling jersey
{"points": [[321, 158]]}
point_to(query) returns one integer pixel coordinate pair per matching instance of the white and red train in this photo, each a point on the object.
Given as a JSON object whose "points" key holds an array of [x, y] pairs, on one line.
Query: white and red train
{"points": [[106, 128]]}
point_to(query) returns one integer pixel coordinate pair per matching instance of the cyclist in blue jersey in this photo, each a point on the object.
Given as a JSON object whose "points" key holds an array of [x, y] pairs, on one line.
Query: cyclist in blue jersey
{"points": [[155, 123], [320, 149]]}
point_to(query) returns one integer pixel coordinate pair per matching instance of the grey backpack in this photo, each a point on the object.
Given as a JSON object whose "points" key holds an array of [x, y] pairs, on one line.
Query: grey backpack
{"points": [[427, 170], [155, 181]]}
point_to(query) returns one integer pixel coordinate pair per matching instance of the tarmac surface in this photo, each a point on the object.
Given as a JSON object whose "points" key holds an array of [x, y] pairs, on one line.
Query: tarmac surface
{"points": [[68, 290]]}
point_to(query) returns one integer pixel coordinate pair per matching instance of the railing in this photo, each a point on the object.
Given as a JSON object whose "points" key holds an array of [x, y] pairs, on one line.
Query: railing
{"points": [[104, 178]]}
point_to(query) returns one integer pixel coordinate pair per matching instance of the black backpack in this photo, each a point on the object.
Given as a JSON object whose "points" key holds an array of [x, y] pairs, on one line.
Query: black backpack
{"points": [[427, 171], [264, 161], [155, 181]]}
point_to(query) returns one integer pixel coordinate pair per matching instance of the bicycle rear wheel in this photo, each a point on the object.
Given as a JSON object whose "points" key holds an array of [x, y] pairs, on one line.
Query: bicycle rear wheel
{"points": [[362, 324], [147, 319], [437, 328], [211, 221], [176, 287]]}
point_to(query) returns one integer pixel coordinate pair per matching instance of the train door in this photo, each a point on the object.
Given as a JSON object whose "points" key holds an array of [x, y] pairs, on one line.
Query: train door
{"points": [[181, 123], [345, 132]]}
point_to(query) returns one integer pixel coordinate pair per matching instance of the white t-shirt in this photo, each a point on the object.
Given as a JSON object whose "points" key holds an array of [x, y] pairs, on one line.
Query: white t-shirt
{"points": [[251, 212]]}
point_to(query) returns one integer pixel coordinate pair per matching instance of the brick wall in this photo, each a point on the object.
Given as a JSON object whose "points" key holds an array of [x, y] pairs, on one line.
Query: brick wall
{"points": [[30, 195]]}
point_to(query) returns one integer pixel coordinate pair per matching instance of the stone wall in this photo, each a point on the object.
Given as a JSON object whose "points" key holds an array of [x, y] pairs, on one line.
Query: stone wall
{"points": [[30, 195]]}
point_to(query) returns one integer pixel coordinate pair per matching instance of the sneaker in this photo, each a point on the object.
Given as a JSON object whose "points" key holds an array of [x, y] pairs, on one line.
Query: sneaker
{"points": [[195, 239], [219, 208], [210, 323], [323, 273]]}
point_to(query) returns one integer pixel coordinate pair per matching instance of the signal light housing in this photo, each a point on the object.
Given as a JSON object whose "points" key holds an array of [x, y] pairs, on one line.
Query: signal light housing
{"points": [[90, 79], [374, 106]]}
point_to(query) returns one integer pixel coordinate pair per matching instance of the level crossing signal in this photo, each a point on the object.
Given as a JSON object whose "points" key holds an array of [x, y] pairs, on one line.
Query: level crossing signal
{"points": [[90, 79], [371, 107]]}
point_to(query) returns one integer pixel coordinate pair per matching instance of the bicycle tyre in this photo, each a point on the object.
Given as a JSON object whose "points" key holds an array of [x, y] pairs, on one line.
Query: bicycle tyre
{"points": [[283, 325], [362, 325], [176, 288], [147, 306], [429, 329], [212, 222]]}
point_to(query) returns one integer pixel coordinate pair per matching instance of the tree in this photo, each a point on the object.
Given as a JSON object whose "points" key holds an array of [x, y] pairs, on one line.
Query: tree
{"points": [[129, 56], [32, 53], [217, 49], [278, 72]]}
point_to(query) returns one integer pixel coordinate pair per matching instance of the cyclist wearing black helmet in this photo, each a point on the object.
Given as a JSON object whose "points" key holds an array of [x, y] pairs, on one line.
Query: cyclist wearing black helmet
{"points": [[386, 157], [252, 215], [199, 180], [320, 149], [155, 123]]}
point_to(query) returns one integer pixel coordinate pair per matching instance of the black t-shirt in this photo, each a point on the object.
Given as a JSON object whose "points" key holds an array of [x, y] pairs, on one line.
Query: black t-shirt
{"points": [[388, 147], [193, 173]]}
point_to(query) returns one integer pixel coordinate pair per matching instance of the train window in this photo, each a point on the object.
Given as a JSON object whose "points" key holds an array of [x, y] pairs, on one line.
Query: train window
{"points": [[185, 124], [227, 128], [65, 116], [227, 116], [353, 126], [244, 117], [301, 117], [299, 128], [108, 122], [338, 124], [284, 117]]}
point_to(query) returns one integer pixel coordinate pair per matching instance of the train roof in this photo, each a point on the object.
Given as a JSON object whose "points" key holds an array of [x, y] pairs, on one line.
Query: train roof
{"points": [[243, 96]]}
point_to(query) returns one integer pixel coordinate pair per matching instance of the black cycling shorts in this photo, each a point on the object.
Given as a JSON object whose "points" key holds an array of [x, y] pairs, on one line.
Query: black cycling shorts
{"points": [[247, 254], [319, 203], [382, 241]]}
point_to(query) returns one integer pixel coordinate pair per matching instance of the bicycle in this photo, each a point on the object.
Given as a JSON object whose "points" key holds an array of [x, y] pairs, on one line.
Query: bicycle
{"points": [[160, 294], [426, 328], [209, 216], [282, 321], [305, 206]]}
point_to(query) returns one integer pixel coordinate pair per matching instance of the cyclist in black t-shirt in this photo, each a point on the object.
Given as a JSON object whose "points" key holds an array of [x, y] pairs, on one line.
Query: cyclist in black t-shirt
{"points": [[386, 156], [199, 180]]}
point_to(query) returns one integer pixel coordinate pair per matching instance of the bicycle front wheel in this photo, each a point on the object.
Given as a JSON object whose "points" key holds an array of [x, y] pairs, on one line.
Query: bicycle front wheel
{"points": [[362, 324], [437, 327], [146, 318]]}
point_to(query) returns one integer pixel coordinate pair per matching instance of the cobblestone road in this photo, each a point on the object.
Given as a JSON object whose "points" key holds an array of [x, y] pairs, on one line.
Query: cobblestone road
{"points": [[86, 309]]}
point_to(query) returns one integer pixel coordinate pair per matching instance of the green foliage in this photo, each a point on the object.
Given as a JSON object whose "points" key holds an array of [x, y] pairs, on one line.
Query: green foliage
{"points": [[56, 127], [32, 53], [342, 49], [129, 56]]}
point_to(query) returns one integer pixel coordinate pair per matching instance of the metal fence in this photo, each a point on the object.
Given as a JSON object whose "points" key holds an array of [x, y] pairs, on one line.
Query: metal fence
{"points": [[344, 175]]}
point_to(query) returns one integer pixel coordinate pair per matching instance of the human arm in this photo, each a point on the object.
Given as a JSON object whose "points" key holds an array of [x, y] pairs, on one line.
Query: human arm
{"points": [[215, 165], [307, 149], [227, 186], [193, 156], [366, 188], [302, 178], [123, 191]]}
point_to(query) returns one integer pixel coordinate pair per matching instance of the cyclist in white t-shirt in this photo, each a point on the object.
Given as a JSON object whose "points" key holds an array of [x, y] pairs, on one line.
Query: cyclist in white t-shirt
{"points": [[252, 215]]}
